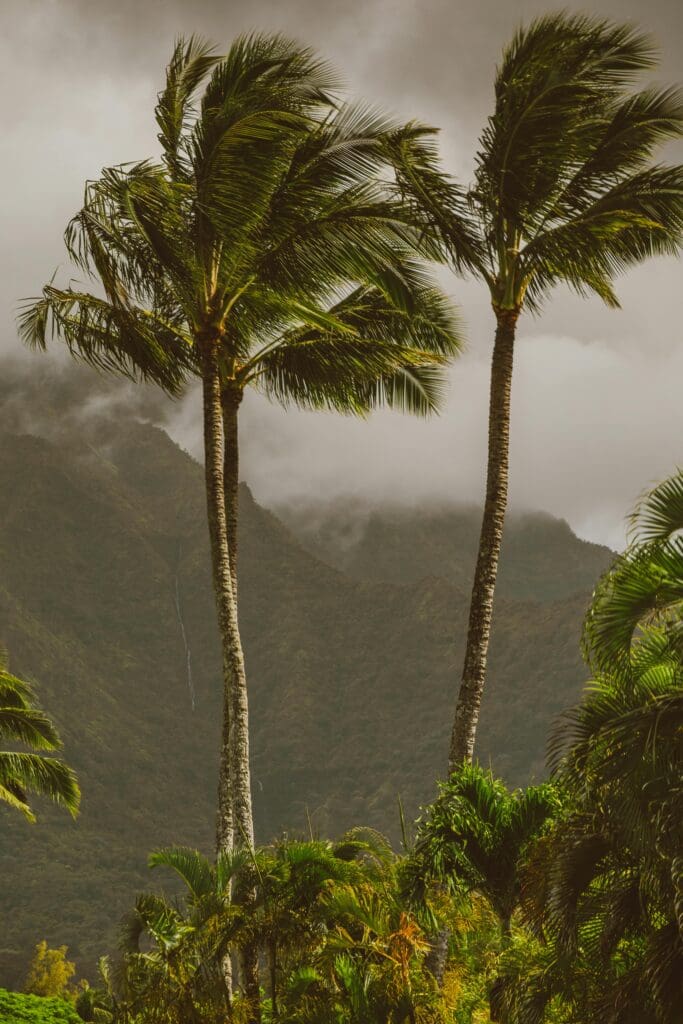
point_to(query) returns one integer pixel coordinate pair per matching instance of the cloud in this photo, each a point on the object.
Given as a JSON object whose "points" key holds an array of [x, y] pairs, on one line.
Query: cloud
{"points": [[596, 416]]}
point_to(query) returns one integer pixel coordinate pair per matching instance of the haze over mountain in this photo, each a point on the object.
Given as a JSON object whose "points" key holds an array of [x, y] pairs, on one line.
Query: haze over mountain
{"points": [[586, 439], [353, 623]]}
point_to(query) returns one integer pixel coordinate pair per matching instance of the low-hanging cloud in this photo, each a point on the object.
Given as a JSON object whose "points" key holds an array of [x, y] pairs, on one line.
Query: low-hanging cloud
{"points": [[596, 411]]}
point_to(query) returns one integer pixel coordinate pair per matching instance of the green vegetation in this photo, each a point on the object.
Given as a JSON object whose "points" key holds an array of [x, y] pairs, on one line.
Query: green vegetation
{"points": [[21, 1009], [276, 245], [558, 903], [23, 722], [50, 972], [110, 513]]}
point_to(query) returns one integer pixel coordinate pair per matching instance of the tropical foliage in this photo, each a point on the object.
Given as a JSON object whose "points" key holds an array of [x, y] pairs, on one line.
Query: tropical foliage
{"points": [[50, 972], [271, 247], [21, 774], [560, 903], [606, 888], [25, 1009]]}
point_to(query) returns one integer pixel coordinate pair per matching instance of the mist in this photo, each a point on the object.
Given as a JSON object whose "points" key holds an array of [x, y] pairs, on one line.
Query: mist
{"points": [[597, 414]]}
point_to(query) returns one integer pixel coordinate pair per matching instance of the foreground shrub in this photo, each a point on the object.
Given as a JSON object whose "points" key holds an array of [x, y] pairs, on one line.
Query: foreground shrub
{"points": [[16, 1008]]}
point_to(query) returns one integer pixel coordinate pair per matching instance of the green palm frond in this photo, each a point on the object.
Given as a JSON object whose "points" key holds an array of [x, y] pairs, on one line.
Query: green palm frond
{"points": [[474, 836], [553, 75], [190, 865], [28, 726], [21, 773], [21, 721], [191, 61], [644, 586], [564, 188], [271, 217], [128, 340], [659, 514]]}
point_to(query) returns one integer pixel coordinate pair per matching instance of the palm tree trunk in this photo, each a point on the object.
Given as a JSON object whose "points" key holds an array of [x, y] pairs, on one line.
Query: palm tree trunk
{"points": [[240, 773], [223, 594], [239, 748], [222, 582], [481, 605]]}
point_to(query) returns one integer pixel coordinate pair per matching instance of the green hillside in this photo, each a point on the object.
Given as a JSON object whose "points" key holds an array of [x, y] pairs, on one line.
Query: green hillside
{"points": [[103, 551]]}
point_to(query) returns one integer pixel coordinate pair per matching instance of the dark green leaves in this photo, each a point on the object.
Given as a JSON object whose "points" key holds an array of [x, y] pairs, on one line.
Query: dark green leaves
{"points": [[272, 211]]}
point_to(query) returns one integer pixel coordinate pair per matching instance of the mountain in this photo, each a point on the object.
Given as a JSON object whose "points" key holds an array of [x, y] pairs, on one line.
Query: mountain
{"points": [[353, 648], [542, 560]]}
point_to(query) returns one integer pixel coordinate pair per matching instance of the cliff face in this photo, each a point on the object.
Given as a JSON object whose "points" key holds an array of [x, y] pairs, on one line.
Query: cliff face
{"points": [[353, 628]]}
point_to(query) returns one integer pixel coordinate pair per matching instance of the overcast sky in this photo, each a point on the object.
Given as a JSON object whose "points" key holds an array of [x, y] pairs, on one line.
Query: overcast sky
{"points": [[597, 412]]}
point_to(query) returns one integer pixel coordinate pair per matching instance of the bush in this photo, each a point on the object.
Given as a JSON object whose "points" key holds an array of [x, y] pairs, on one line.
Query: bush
{"points": [[21, 1009]]}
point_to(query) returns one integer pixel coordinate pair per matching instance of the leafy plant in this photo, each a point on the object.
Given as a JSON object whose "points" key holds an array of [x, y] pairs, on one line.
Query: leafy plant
{"points": [[22, 721]]}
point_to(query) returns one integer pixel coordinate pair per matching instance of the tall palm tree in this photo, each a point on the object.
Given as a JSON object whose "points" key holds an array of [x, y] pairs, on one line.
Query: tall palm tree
{"points": [[266, 249], [22, 721], [565, 191]]}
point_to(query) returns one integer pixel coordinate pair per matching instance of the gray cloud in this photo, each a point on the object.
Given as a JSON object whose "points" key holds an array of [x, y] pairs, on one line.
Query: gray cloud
{"points": [[596, 408]]}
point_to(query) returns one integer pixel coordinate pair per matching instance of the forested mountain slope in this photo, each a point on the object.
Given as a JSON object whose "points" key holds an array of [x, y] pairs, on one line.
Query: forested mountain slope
{"points": [[352, 665]]}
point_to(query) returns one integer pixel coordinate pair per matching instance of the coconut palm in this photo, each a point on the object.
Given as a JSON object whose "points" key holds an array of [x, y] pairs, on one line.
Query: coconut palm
{"points": [[265, 250], [565, 191], [23, 722]]}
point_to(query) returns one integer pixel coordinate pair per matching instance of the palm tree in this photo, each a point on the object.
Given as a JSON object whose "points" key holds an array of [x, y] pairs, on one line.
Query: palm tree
{"points": [[473, 837], [644, 587], [605, 887], [22, 721], [266, 250], [565, 191], [292, 909]]}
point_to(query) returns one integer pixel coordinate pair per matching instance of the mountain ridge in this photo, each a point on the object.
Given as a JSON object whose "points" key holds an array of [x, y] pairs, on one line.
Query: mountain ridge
{"points": [[352, 679]]}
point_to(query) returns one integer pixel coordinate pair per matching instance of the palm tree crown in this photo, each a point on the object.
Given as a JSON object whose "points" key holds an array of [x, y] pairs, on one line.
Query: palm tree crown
{"points": [[564, 189], [266, 230]]}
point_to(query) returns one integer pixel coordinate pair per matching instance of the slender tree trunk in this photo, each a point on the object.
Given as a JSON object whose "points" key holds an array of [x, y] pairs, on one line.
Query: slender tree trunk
{"points": [[240, 774], [481, 606], [243, 820], [223, 593]]}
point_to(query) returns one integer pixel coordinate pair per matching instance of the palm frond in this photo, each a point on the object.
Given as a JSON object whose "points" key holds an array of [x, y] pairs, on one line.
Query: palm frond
{"points": [[191, 61], [44, 776], [659, 514]]}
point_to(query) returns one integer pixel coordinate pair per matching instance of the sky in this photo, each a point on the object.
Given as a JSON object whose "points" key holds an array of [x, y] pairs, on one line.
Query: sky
{"points": [[597, 414]]}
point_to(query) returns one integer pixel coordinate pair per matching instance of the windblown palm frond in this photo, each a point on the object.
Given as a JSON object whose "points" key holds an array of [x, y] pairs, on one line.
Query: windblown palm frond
{"points": [[644, 586], [270, 216], [21, 721]]}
